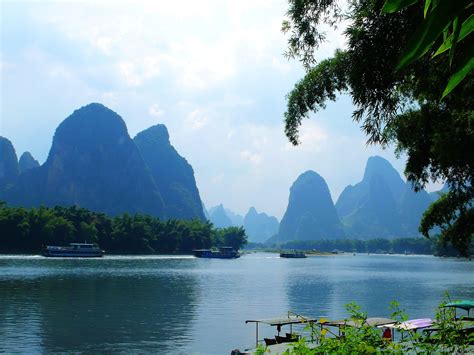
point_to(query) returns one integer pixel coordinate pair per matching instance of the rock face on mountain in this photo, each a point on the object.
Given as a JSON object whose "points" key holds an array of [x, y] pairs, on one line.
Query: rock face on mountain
{"points": [[219, 218], [27, 162], [93, 163], [259, 226], [173, 175], [310, 214], [382, 204], [374, 210], [412, 205], [9, 170]]}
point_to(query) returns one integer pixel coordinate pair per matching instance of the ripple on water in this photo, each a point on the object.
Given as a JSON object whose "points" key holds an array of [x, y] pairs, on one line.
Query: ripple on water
{"points": [[184, 304]]}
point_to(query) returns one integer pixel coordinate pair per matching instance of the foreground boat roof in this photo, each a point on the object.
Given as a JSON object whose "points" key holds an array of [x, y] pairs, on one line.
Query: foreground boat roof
{"points": [[371, 322], [283, 320], [413, 324], [464, 304]]}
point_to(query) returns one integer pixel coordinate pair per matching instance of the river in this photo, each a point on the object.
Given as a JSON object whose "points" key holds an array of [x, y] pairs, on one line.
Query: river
{"points": [[180, 304]]}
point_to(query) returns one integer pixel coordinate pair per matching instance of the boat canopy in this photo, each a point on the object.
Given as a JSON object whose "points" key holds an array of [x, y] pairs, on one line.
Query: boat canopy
{"points": [[371, 322], [412, 324], [464, 304], [284, 320]]}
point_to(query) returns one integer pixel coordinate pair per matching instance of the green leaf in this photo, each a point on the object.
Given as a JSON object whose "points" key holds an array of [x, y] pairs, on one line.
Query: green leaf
{"points": [[456, 29], [466, 29], [457, 77], [427, 6], [437, 21], [391, 6]]}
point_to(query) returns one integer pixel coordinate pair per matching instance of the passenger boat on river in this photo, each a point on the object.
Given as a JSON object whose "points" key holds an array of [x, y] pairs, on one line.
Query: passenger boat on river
{"points": [[222, 253], [74, 250], [293, 254]]}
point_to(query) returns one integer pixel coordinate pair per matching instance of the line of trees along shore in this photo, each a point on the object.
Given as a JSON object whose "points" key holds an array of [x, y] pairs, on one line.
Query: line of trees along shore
{"points": [[29, 230], [417, 245]]}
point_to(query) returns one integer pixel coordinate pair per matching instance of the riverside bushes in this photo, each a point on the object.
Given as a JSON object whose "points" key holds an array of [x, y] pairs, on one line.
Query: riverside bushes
{"points": [[28, 230]]}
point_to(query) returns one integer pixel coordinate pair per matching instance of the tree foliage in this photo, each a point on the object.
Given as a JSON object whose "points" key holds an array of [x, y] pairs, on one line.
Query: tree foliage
{"points": [[358, 337], [441, 17], [392, 106], [28, 230]]}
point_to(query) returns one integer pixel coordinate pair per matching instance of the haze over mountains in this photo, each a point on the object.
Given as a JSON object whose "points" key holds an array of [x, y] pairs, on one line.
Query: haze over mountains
{"points": [[258, 226], [382, 205], [310, 214], [93, 163]]}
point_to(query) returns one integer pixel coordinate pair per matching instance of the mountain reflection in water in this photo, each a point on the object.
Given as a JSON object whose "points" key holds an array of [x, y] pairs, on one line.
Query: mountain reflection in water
{"points": [[189, 305]]}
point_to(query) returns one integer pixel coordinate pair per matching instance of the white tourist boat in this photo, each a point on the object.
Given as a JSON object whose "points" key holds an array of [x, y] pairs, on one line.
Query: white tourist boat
{"points": [[74, 250]]}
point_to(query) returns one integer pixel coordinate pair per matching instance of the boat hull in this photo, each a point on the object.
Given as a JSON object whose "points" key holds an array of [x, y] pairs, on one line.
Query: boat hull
{"points": [[75, 250], [293, 255], [50, 254], [210, 254]]}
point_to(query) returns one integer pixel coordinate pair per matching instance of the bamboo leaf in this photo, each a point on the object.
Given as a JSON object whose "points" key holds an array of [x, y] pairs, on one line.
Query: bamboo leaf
{"points": [[456, 29], [436, 22], [391, 6], [427, 6], [466, 29], [457, 77]]}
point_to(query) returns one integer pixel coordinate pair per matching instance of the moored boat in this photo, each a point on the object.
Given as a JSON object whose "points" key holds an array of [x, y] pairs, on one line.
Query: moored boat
{"points": [[222, 253], [293, 254], [74, 250]]}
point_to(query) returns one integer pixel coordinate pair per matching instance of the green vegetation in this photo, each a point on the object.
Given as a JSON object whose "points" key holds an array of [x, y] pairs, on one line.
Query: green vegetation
{"points": [[415, 245], [28, 230], [441, 17], [401, 106], [449, 337]]}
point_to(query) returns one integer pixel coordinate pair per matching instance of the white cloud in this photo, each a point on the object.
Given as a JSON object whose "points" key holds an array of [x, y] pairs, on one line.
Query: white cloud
{"points": [[197, 119], [211, 64], [59, 71], [311, 138], [109, 98], [155, 111], [129, 73], [253, 158], [218, 178]]}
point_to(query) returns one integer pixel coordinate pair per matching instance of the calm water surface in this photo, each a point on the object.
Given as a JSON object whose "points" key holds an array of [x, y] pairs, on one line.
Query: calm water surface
{"points": [[199, 306]]}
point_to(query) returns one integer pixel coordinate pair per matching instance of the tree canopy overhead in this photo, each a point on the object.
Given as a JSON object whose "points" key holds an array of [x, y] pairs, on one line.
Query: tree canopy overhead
{"points": [[400, 107]]}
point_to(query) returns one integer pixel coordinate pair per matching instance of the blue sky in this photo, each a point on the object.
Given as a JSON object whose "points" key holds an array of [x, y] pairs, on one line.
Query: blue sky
{"points": [[212, 71]]}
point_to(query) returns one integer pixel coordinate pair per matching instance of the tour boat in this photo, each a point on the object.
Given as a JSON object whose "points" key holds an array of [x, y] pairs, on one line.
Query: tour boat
{"points": [[74, 250], [222, 253], [294, 254]]}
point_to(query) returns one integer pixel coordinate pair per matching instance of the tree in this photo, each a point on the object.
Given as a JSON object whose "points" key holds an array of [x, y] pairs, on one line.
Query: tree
{"points": [[442, 17], [400, 107], [234, 237]]}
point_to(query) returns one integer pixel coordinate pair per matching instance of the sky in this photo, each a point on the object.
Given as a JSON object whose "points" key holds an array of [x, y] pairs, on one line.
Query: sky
{"points": [[212, 71]]}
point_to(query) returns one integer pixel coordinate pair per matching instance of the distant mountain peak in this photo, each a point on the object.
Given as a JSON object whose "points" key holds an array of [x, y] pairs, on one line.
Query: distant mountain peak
{"points": [[172, 173], [9, 169], [382, 204], [259, 226], [27, 162], [378, 165], [310, 214], [158, 132], [252, 210]]}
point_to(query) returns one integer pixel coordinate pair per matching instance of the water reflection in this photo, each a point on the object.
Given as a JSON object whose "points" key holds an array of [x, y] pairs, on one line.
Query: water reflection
{"points": [[188, 305], [76, 309], [322, 287]]}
